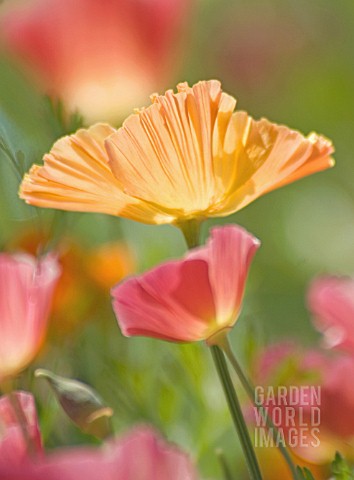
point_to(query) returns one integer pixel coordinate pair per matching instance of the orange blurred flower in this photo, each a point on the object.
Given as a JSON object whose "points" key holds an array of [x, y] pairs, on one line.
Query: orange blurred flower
{"points": [[88, 275], [26, 291], [187, 156], [109, 263], [99, 56]]}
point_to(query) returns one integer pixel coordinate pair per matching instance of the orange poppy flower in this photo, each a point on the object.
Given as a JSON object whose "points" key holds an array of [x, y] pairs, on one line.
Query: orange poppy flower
{"points": [[188, 156]]}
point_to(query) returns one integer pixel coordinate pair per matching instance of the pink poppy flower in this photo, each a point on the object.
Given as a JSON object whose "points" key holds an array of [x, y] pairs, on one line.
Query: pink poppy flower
{"points": [[190, 299], [331, 301], [102, 57], [26, 290], [139, 455], [14, 448]]}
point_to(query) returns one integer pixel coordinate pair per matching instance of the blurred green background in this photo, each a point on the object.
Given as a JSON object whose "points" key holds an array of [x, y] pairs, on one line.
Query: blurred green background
{"points": [[291, 62]]}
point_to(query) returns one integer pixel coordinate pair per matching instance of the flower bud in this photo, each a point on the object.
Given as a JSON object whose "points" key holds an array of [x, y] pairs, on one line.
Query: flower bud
{"points": [[81, 403]]}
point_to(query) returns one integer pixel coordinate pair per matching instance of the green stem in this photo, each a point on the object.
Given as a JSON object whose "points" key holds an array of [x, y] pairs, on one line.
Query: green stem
{"points": [[190, 230], [236, 412], [224, 344], [224, 466]]}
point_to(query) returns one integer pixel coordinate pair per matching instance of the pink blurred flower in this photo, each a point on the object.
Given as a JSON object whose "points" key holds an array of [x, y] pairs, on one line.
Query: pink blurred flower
{"points": [[193, 298], [139, 455], [102, 57], [331, 300], [14, 448], [26, 290], [287, 364]]}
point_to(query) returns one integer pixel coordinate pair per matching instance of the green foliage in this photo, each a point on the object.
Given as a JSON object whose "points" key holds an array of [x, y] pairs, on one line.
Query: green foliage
{"points": [[304, 474], [66, 122], [341, 469], [29, 125]]}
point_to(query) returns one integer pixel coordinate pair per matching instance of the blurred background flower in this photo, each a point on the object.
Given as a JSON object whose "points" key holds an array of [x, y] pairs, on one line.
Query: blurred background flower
{"points": [[331, 301], [140, 453], [289, 364], [26, 291], [20, 436], [102, 58]]}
